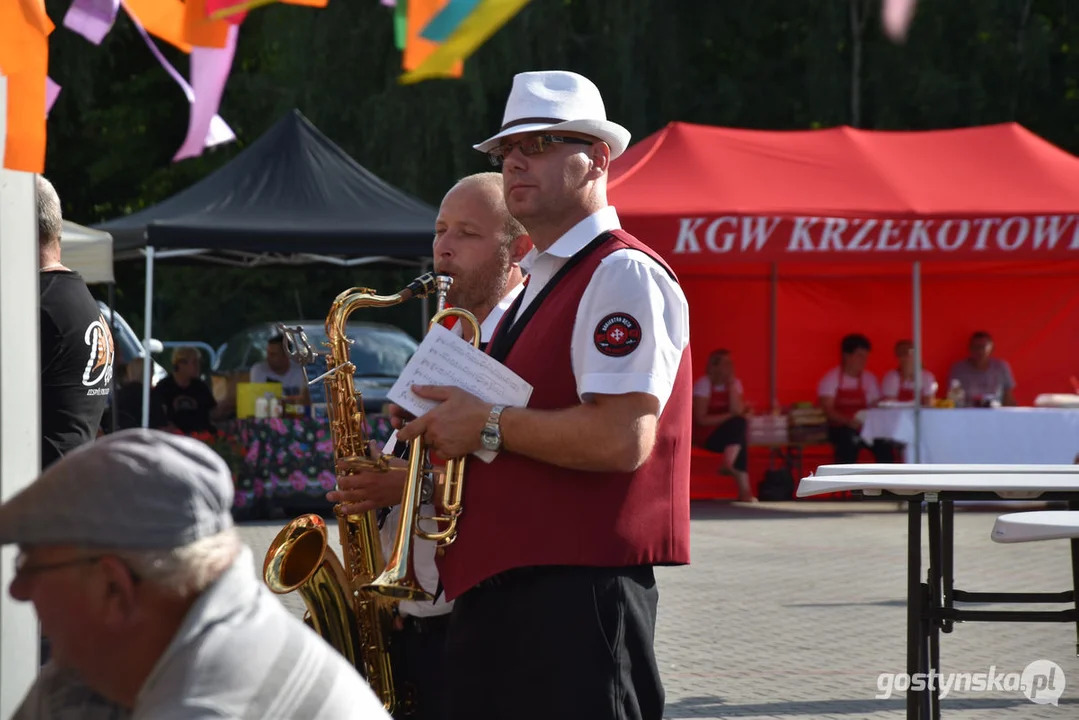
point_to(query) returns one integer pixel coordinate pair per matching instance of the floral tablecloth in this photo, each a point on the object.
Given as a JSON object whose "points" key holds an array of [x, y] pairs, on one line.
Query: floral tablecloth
{"points": [[283, 460]]}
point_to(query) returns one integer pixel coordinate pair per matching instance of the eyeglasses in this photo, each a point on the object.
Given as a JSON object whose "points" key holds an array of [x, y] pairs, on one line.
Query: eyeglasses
{"points": [[23, 567], [535, 145]]}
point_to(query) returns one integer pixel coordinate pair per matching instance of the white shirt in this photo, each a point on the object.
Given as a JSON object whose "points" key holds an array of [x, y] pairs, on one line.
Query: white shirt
{"points": [[629, 292], [292, 381], [490, 323], [890, 385], [831, 382], [424, 550]]}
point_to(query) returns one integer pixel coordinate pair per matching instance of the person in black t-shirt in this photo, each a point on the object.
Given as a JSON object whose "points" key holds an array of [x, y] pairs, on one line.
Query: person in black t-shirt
{"points": [[77, 351], [189, 404]]}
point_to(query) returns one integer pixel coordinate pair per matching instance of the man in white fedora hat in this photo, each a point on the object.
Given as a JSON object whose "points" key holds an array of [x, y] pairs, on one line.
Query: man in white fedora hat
{"points": [[552, 568]]}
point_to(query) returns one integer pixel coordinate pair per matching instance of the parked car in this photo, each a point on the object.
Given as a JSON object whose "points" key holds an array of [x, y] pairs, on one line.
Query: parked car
{"points": [[379, 352], [129, 346]]}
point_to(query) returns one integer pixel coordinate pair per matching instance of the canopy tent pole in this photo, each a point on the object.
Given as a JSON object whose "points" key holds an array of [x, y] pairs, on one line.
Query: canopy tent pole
{"points": [[916, 287], [148, 361], [773, 323], [20, 410]]}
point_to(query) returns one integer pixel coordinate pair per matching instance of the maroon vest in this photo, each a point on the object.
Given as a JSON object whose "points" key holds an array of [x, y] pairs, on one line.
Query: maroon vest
{"points": [[520, 512]]}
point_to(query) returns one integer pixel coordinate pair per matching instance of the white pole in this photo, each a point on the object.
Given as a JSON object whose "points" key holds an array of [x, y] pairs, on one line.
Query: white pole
{"points": [[916, 285], [20, 410], [147, 326]]}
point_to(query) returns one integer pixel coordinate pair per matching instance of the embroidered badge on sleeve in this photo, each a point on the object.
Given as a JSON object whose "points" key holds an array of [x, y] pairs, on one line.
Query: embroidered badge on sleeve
{"points": [[617, 335]]}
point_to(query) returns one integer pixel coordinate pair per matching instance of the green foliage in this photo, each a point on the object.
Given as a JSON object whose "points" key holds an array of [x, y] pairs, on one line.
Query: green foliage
{"points": [[766, 64]]}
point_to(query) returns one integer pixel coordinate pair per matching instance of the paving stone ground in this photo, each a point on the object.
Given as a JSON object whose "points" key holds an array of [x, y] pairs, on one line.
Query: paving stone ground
{"points": [[792, 611]]}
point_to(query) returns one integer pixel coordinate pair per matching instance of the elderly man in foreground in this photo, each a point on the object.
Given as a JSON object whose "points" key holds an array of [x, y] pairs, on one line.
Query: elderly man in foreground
{"points": [[150, 600]]}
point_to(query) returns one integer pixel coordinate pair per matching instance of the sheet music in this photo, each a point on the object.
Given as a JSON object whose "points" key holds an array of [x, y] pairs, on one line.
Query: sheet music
{"points": [[444, 358]]}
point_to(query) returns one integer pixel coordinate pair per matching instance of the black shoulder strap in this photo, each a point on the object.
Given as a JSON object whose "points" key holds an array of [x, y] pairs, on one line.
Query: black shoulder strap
{"points": [[504, 338]]}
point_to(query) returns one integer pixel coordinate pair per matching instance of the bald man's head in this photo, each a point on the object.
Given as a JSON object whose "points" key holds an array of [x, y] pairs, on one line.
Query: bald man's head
{"points": [[478, 243]]}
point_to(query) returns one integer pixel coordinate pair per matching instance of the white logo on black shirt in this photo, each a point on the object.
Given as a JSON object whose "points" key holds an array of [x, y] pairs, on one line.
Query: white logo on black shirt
{"points": [[98, 372]]}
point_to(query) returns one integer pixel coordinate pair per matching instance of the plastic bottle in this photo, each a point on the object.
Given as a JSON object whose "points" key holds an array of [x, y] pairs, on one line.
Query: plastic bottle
{"points": [[956, 394], [262, 408], [275, 407]]}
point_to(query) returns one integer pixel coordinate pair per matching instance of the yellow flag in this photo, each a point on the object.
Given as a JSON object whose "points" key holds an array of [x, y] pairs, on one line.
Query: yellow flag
{"points": [[474, 30]]}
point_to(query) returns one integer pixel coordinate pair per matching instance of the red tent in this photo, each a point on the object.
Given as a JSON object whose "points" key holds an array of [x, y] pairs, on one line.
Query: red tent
{"points": [[787, 240]]}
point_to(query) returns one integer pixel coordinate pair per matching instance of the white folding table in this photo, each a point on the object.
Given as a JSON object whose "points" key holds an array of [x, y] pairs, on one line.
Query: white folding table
{"points": [[1036, 525], [931, 603]]}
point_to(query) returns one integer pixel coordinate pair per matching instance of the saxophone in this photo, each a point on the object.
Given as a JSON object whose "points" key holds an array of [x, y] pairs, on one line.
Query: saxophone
{"points": [[356, 623]]}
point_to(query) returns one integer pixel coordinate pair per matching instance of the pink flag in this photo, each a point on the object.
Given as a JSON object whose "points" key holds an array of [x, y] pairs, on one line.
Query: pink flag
{"points": [[51, 91], [896, 18], [91, 18], [210, 69], [219, 132]]}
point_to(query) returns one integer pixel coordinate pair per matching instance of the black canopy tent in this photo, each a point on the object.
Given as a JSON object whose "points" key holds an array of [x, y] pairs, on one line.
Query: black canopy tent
{"points": [[291, 197]]}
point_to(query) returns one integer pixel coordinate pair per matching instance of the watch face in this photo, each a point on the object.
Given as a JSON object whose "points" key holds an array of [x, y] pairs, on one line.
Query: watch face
{"points": [[489, 439]]}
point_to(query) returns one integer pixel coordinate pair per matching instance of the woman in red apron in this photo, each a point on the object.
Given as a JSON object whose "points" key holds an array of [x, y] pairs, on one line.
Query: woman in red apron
{"points": [[898, 384], [719, 422]]}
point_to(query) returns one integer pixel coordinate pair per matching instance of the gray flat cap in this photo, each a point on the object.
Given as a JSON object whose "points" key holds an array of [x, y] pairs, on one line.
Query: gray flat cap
{"points": [[132, 490]]}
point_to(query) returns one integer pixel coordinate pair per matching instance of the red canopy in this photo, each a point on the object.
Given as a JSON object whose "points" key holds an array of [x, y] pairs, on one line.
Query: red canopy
{"points": [[701, 194], [991, 212]]}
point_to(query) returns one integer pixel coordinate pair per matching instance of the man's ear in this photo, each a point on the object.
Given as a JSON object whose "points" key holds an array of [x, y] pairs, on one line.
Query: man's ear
{"points": [[520, 247], [119, 592], [601, 158]]}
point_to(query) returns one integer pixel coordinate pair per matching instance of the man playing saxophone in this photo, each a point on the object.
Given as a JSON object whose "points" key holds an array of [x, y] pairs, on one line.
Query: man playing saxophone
{"points": [[480, 245], [551, 572]]}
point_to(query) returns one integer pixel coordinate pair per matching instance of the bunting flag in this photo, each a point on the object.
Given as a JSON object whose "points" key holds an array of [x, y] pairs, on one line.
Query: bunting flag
{"points": [[417, 49], [896, 17], [400, 24], [484, 20], [52, 90], [24, 60], [164, 19], [210, 69], [200, 30], [3, 117], [234, 10], [448, 19], [91, 18], [219, 132]]}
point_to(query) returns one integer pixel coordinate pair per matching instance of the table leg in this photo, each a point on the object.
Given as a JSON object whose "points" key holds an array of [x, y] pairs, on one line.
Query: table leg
{"points": [[933, 602], [915, 599], [947, 549], [1074, 505]]}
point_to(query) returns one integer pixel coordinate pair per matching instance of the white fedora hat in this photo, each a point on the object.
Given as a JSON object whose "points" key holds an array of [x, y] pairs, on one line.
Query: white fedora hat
{"points": [[557, 101]]}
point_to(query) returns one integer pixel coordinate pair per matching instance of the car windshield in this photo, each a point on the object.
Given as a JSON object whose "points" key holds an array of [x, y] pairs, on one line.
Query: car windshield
{"points": [[375, 352]]}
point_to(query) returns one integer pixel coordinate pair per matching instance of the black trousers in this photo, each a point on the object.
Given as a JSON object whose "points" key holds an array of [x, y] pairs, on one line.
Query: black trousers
{"points": [[573, 643], [848, 443], [730, 432], [416, 652]]}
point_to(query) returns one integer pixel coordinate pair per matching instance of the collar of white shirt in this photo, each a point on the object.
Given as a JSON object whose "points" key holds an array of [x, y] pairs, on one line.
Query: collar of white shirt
{"points": [[490, 323], [577, 237]]}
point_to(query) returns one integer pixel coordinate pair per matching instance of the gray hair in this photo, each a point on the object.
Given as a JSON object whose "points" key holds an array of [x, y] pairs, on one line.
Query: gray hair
{"points": [[492, 181], [188, 570], [50, 217]]}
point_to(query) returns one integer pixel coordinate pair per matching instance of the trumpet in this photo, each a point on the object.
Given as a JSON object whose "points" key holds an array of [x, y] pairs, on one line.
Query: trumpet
{"points": [[398, 579]]}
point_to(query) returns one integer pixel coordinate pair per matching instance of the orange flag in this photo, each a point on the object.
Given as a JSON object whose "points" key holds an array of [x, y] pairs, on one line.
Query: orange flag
{"points": [[200, 30], [164, 19], [24, 60], [418, 48]]}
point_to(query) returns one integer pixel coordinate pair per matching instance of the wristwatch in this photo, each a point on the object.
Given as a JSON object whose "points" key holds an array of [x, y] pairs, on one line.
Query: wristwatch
{"points": [[491, 435]]}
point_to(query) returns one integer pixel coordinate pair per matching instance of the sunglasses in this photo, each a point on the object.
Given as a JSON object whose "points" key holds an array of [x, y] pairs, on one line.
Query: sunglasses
{"points": [[534, 145]]}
